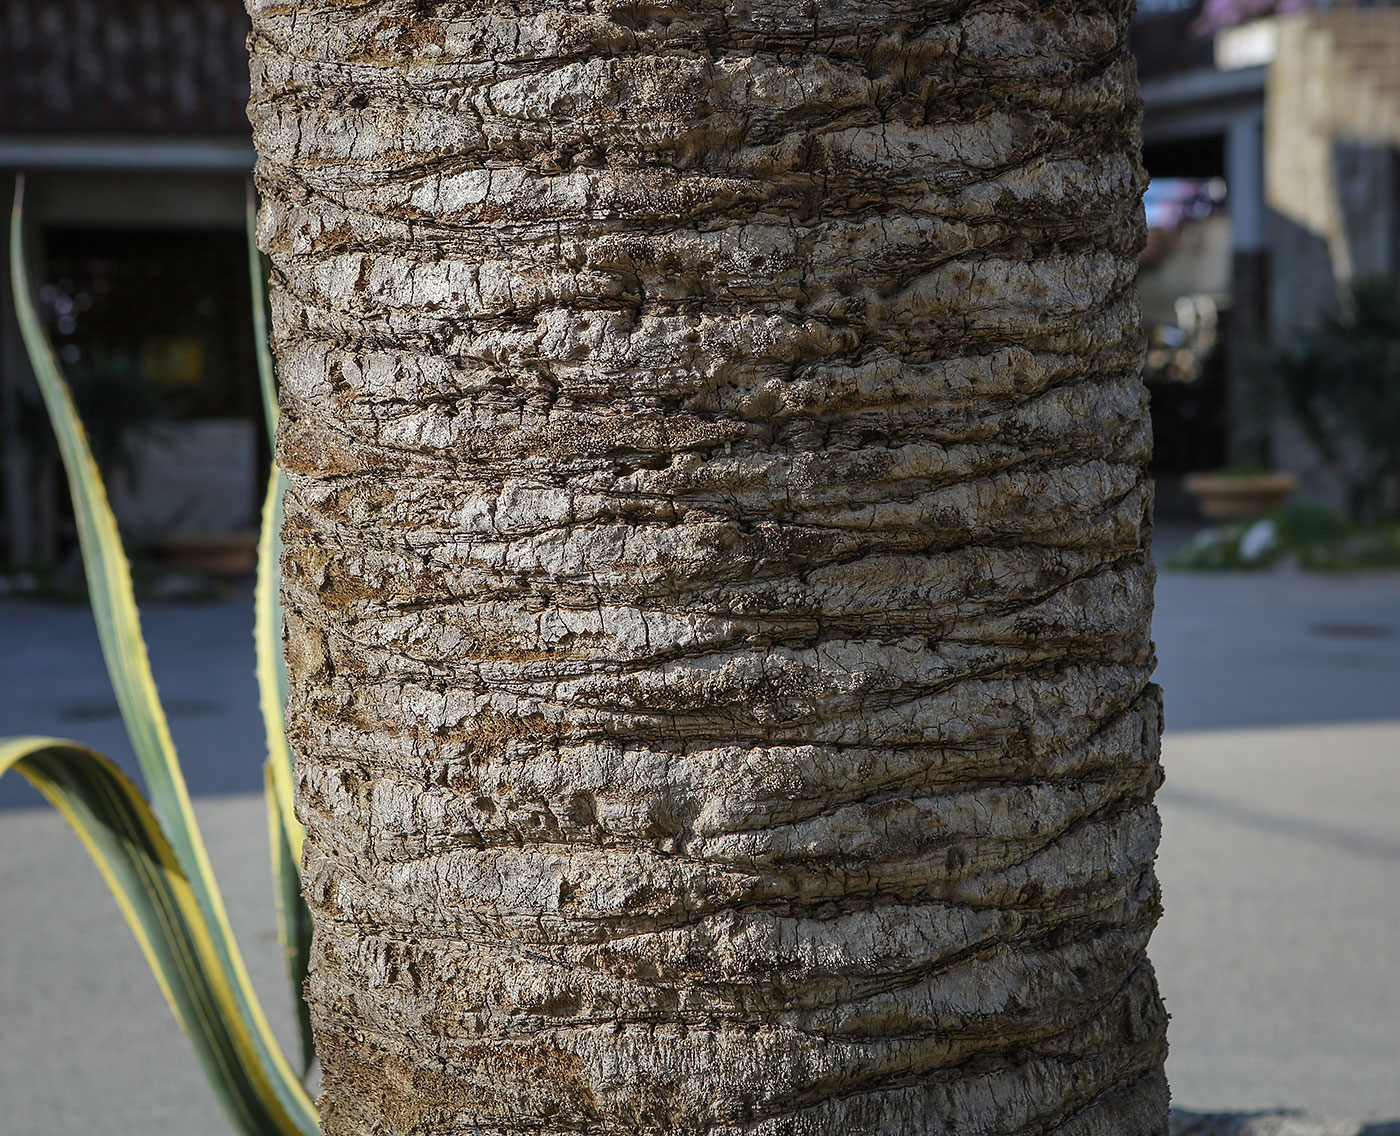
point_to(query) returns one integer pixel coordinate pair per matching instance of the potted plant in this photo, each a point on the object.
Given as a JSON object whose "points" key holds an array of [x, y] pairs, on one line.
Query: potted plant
{"points": [[1238, 493], [213, 553]]}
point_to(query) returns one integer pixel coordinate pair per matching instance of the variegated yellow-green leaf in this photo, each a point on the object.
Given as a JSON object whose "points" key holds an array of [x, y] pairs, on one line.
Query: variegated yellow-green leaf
{"points": [[284, 830], [127, 844], [293, 922], [272, 667], [124, 650], [267, 380]]}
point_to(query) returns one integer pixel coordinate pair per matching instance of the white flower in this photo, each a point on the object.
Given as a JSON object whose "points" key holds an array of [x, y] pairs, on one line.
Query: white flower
{"points": [[1260, 539]]}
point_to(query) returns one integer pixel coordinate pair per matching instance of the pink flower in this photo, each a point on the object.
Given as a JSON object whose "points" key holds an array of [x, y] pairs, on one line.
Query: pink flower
{"points": [[1217, 15]]}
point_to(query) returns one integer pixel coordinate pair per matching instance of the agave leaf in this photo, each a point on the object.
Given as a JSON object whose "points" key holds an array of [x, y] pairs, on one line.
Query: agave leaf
{"points": [[267, 379], [293, 922], [124, 650], [284, 830], [127, 844], [271, 660]]}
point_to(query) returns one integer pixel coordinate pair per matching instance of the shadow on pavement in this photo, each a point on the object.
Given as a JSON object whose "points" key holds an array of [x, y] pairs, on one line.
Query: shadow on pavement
{"points": [[1184, 1123], [56, 684], [1279, 648], [1317, 831]]}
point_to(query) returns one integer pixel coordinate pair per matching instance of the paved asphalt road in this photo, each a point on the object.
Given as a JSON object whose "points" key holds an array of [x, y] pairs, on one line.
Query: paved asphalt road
{"points": [[1279, 954]]}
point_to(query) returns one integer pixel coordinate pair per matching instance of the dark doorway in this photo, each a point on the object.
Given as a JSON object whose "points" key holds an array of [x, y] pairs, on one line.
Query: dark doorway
{"points": [[1186, 282], [153, 328]]}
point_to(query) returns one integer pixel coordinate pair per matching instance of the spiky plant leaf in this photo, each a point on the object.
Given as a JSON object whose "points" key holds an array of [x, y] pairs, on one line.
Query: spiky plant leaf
{"points": [[293, 921], [267, 378], [157, 898], [124, 650], [285, 831]]}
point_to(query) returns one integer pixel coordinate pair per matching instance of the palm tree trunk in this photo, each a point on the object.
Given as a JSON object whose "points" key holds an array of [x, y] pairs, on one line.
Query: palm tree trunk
{"points": [[717, 601]]}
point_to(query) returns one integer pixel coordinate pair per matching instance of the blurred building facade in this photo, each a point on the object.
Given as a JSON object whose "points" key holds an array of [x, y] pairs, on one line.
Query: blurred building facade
{"points": [[1271, 133], [127, 118], [1286, 114]]}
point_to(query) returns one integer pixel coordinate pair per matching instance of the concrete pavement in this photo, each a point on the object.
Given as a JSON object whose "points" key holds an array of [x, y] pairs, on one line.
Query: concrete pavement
{"points": [[1279, 950], [1279, 953], [52, 681]]}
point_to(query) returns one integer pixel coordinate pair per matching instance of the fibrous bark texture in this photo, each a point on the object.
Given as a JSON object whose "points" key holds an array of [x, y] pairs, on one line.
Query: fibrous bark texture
{"points": [[717, 599]]}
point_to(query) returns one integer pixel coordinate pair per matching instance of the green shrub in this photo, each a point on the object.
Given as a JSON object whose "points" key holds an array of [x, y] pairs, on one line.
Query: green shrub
{"points": [[1312, 536], [1341, 383]]}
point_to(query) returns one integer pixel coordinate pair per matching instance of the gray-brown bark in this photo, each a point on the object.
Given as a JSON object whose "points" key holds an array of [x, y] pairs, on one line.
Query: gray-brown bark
{"points": [[717, 600]]}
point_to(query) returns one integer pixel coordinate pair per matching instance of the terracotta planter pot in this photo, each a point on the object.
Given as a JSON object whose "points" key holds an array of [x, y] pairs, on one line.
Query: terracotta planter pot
{"points": [[1222, 497], [214, 554]]}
